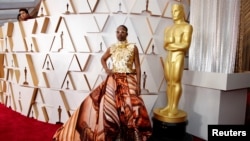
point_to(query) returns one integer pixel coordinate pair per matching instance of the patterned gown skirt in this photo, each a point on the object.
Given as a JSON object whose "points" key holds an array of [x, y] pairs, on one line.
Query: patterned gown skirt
{"points": [[113, 111]]}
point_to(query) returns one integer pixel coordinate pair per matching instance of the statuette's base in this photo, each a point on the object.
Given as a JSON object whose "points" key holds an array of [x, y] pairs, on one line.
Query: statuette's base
{"points": [[164, 131], [164, 116]]}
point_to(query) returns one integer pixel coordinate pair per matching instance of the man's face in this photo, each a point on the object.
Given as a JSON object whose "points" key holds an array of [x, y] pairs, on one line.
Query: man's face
{"points": [[23, 15], [121, 33]]}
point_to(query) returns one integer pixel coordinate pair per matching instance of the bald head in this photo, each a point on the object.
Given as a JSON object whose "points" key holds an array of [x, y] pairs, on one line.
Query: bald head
{"points": [[178, 12]]}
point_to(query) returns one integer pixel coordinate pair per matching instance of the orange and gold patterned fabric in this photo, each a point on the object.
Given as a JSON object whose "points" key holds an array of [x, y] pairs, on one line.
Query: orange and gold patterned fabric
{"points": [[113, 110]]}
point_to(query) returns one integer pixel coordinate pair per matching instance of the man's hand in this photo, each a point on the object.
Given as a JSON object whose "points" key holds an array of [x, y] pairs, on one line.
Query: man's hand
{"points": [[108, 71]]}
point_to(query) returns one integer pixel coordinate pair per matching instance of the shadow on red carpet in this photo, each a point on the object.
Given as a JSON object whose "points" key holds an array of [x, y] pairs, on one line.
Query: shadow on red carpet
{"points": [[17, 127]]}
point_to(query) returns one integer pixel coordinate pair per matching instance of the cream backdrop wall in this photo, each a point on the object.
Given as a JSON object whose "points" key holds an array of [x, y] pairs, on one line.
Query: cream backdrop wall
{"points": [[61, 51]]}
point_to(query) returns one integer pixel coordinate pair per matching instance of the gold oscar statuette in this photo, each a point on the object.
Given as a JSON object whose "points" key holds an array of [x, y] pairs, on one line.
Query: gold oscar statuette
{"points": [[177, 39]]}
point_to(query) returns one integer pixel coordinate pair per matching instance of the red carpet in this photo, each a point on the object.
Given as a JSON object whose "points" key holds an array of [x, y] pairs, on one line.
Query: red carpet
{"points": [[16, 127]]}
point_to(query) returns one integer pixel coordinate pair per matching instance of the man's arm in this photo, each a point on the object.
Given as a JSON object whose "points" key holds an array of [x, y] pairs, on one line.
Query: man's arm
{"points": [[138, 69], [104, 58]]}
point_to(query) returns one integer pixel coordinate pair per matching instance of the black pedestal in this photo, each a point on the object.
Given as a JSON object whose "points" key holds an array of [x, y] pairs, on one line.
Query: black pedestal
{"points": [[59, 122], [164, 131]]}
